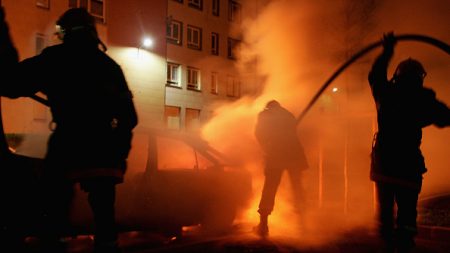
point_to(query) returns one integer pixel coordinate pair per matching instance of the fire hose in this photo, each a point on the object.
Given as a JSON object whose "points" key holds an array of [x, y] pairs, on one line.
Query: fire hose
{"points": [[405, 37]]}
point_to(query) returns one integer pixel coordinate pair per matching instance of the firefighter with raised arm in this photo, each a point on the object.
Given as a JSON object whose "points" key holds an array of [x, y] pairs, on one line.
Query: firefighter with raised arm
{"points": [[404, 106]]}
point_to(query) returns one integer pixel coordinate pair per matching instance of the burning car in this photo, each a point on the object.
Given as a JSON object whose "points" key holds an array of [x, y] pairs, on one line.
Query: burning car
{"points": [[173, 180]]}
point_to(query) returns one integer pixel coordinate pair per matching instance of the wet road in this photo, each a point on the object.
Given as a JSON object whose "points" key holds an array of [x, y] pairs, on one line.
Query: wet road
{"points": [[242, 240]]}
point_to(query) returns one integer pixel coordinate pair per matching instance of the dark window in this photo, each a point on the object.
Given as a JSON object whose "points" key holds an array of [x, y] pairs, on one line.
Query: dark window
{"points": [[215, 7], [232, 47], [197, 4], [83, 3], [174, 33], [73, 3], [194, 37], [234, 11], [193, 78], [214, 83], [173, 74], [215, 43], [95, 7]]}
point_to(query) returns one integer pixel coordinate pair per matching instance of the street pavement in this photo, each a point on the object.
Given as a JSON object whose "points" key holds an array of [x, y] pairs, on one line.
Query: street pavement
{"points": [[242, 240]]}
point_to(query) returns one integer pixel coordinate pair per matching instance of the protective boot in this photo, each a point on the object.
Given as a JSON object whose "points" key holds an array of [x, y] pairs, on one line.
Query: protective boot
{"points": [[262, 229], [405, 244], [405, 239]]}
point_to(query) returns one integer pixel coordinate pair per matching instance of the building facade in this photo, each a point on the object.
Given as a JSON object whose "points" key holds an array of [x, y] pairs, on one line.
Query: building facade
{"points": [[188, 70]]}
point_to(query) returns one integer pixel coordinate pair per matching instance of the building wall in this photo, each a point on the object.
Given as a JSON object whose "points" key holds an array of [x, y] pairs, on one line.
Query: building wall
{"points": [[128, 23], [121, 32], [27, 21], [203, 99], [125, 24]]}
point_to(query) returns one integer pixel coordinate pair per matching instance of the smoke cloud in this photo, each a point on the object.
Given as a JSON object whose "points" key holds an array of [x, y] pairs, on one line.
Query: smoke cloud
{"points": [[297, 45]]}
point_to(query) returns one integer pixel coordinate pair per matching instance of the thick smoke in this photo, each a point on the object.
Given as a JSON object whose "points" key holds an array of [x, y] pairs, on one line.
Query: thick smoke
{"points": [[297, 46]]}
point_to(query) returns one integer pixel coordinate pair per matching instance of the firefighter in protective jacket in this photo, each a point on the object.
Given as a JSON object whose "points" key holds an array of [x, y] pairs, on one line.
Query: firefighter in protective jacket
{"points": [[93, 118], [276, 132], [404, 106]]}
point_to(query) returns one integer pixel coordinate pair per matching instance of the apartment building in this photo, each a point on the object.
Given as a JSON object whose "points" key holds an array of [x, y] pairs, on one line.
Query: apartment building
{"points": [[177, 82], [202, 39]]}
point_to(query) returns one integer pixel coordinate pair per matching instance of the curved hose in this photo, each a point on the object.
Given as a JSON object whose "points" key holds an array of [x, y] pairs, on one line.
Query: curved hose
{"points": [[412, 37]]}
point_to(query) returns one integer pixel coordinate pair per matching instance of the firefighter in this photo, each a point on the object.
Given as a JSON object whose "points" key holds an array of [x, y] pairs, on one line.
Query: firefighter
{"points": [[404, 106], [93, 118], [276, 133]]}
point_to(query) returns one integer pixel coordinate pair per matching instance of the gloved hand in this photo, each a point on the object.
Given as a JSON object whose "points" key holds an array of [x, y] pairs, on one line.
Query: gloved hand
{"points": [[389, 41]]}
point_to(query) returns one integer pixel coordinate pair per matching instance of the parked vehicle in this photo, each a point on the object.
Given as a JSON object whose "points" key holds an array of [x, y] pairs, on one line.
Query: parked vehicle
{"points": [[434, 210], [182, 182]]}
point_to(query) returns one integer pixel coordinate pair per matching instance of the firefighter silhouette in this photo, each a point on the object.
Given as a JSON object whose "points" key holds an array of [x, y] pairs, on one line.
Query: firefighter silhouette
{"points": [[404, 106], [276, 133], [93, 115]]}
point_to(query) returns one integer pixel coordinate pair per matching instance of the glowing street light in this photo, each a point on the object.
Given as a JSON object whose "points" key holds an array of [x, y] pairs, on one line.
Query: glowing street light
{"points": [[335, 89], [147, 42]]}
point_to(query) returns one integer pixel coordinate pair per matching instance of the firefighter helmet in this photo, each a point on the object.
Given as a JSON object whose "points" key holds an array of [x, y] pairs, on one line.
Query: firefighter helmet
{"points": [[408, 68], [75, 19]]}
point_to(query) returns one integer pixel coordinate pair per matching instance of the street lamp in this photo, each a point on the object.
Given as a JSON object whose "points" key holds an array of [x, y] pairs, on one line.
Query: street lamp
{"points": [[147, 42]]}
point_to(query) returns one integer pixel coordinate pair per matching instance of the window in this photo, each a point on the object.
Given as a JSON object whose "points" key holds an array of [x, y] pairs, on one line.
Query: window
{"points": [[215, 7], [174, 32], [215, 43], [193, 78], [73, 3], [43, 4], [173, 74], [198, 4], [95, 7], [172, 117], [214, 83], [192, 119], [78, 3], [194, 37], [232, 47], [176, 153], [233, 87], [234, 11], [40, 43]]}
